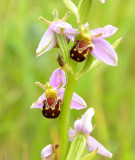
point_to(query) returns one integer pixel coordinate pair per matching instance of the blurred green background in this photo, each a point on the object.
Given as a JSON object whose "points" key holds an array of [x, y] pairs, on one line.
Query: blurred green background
{"points": [[110, 90]]}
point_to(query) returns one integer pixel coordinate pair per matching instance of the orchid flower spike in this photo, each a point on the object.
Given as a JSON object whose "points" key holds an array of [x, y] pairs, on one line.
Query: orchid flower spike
{"points": [[93, 42], [84, 126], [49, 39], [47, 152], [51, 100]]}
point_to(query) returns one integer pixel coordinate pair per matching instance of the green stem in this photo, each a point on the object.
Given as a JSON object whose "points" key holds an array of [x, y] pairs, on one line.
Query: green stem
{"points": [[64, 116]]}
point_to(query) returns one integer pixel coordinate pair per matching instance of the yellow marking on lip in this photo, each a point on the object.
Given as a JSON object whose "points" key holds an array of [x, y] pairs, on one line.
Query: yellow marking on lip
{"points": [[72, 55]]}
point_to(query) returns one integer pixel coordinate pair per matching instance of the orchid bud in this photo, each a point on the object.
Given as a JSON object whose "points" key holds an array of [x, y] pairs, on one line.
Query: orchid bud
{"points": [[77, 148], [84, 10], [47, 152]]}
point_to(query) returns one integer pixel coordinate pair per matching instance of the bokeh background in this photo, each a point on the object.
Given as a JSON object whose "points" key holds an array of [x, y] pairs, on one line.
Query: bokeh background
{"points": [[110, 90]]}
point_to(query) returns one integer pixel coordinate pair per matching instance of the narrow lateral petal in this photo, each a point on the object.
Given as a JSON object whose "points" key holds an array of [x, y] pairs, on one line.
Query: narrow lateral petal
{"points": [[38, 103], [76, 103], [72, 134], [58, 78], [93, 144], [105, 32], [84, 124], [104, 51], [47, 151], [47, 42]]}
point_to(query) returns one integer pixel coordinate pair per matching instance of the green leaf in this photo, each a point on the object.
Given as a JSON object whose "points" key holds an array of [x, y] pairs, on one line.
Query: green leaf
{"points": [[117, 42], [77, 148], [90, 156], [86, 66]]}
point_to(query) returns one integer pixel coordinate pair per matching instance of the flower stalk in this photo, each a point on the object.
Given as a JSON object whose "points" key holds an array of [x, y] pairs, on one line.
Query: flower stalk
{"points": [[71, 82], [64, 116]]}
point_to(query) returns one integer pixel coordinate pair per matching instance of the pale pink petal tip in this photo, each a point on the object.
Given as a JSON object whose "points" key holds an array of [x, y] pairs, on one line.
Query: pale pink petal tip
{"points": [[58, 78], [105, 32], [109, 30], [77, 102], [84, 124], [47, 42], [47, 151], [72, 134], [93, 144], [39, 102], [104, 51]]}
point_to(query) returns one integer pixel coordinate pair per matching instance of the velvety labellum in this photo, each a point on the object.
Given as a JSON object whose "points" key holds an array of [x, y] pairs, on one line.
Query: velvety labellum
{"points": [[80, 50], [51, 107]]}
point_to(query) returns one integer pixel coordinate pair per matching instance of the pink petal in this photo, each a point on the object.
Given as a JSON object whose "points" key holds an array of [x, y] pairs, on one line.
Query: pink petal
{"points": [[61, 93], [104, 51], [59, 27], [47, 42], [38, 103], [76, 103], [106, 32], [71, 33], [64, 28], [47, 151], [84, 124], [72, 134], [93, 144], [58, 78]]}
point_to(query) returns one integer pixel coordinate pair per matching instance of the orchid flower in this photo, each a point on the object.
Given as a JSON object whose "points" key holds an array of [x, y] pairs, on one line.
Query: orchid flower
{"points": [[84, 126], [103, 50], [93, 42], [56, 87], [47, 152], [49, 39]]}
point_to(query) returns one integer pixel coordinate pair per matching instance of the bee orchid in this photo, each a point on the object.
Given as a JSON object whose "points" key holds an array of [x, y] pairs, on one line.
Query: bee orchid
{"points": [[49, 39], [93, 42], [51, 100], [84, 126]]}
